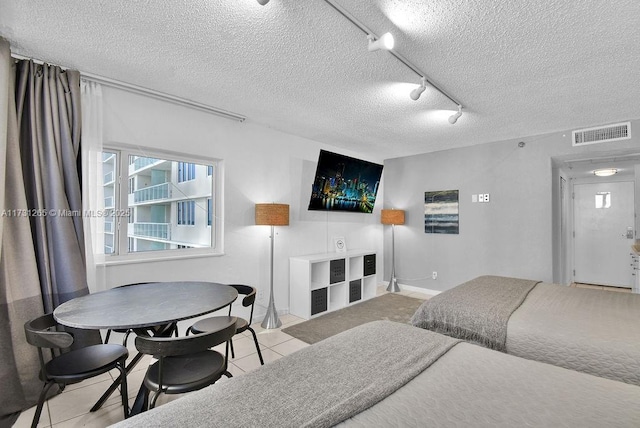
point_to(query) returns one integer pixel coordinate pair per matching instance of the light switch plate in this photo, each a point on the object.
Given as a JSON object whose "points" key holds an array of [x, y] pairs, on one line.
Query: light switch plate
{"points": [[481, 198], [474, 198]]}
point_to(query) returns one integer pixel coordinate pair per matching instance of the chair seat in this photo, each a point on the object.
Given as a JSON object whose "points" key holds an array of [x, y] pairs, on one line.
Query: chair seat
{"points": [[85, 362], [186, 373], [216, 323]]}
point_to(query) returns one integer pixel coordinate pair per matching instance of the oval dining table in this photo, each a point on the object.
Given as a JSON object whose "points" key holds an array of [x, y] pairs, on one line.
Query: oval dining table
{"points": [[144, 308]]}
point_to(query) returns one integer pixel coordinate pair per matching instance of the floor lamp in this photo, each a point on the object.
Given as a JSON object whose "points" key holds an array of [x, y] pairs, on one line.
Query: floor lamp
{"points": [[392, 217], [272, 215]]}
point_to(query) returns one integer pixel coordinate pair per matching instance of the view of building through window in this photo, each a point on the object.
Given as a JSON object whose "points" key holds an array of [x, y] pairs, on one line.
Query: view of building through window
{"points": [[168, 203]]}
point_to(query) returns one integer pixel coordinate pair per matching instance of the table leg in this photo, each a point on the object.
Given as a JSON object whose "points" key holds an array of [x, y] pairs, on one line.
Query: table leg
{"points": [[142, 401]]}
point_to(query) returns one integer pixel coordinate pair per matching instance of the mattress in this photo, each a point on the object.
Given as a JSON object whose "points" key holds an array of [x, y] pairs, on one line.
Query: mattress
{"points": [[456, 384], [592, 331]]}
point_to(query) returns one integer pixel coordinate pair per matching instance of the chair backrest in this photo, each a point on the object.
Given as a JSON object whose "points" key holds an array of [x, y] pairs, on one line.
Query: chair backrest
{"points": [[249, 299], [40, 332], [248, 291], [168, 346]]}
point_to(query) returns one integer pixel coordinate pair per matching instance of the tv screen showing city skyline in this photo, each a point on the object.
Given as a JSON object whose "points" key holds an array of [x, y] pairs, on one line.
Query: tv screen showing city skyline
{"points": [[343, 183]]}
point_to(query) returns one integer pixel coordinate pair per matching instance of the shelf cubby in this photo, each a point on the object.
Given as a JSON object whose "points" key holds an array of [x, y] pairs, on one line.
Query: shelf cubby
{"points": [[321, 283]]}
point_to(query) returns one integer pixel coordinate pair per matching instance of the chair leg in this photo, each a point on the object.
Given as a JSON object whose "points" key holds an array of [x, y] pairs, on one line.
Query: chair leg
{"points": [[255, 340], [233, 354], [227, 374], [153, 400], [123, 387], [106, 338], [41, 399], [126, 337]]}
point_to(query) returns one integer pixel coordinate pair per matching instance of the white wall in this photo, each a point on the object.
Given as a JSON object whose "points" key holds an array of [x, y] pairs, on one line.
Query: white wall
{"points": [[515, 234], [261, 165]]}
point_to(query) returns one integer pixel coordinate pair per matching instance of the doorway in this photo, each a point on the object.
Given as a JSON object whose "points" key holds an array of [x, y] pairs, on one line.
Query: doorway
{"points": [[570, 171], [603, 232]]}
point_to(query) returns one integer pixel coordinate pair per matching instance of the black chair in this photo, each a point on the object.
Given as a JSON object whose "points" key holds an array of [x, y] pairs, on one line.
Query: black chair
{"points": [[66, 368], [214, 323], [185, 363]]}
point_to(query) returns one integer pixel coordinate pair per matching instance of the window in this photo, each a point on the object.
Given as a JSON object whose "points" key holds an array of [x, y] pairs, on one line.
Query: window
{"points": [[186, 213], [160, 195], [603, 200], [186, 171]]}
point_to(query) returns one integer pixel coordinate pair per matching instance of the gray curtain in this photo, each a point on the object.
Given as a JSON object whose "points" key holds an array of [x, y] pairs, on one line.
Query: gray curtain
{"points": [[42, 258]]}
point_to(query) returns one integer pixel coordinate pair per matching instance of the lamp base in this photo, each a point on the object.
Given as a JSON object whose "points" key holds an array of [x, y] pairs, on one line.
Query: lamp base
{"points": [[271, 319], [393, 286]]}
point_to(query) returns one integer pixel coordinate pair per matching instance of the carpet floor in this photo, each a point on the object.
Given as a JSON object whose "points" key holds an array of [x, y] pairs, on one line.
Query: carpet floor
{"points": [[392, 307]]}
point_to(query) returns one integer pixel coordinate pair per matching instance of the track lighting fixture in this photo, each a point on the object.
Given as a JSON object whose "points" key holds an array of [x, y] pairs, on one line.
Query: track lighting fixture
{"points": [[263, 2], [454, 117], [415, 94], [384, 42]]}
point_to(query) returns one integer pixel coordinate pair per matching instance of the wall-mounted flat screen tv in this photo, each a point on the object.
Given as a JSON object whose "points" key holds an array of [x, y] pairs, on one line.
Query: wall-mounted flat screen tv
{"points": [[343, 183]]}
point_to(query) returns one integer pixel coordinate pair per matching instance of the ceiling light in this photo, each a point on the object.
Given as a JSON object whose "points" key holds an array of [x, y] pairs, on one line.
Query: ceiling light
{"points": [[263, 2], [606, 172], [384, 42], [454, 117], [415, 94]]}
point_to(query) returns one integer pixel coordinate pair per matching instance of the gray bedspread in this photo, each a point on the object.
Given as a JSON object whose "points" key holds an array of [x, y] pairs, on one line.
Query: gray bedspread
{"points": [[467, 386], [471, 386], [593, 331], [477, 311], [319, 386]]}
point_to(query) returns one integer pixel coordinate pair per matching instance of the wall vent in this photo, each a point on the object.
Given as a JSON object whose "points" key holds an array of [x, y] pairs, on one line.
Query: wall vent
{"points": [[602, 134]]}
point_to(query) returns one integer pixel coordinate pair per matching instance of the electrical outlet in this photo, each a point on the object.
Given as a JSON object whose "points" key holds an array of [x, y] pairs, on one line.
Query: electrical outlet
{"points": [[434, 275], [481, 197]]}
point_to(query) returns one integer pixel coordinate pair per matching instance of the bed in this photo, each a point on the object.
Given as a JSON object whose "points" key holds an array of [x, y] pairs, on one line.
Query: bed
{"points": [[390, 374], [592, 331]]}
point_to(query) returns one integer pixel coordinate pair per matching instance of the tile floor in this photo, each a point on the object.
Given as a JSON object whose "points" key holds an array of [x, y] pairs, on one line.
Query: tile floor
{"points": [[71, 408]]}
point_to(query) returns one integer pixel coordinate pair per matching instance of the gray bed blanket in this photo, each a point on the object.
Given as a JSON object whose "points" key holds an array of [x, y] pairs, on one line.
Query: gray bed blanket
{"points": [[593, 331], [472, 387], [334, 379], [477, 311]]}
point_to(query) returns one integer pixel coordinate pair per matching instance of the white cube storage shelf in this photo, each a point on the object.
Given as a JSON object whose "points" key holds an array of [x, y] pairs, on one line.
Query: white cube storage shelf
{"points": [[321, 283]]}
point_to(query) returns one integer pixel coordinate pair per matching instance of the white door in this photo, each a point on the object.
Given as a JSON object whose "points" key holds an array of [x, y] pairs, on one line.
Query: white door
{"points": [[603, 225]]}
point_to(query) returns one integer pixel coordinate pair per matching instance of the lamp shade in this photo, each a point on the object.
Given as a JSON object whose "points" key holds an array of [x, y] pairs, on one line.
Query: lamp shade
{"points": [[392, 217], [272, 214]]}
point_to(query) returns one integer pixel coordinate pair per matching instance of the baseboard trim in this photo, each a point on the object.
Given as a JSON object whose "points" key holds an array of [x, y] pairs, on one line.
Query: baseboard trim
{"points": [[404, 287]]}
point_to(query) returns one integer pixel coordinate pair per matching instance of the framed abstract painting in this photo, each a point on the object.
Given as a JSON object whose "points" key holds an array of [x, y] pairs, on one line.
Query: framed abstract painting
{"points": [[441, 212]]}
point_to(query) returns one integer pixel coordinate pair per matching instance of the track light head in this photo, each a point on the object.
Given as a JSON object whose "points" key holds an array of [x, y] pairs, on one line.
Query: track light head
{"points": [[454, 117], [263, 2], [415, 94], [385, 42]]}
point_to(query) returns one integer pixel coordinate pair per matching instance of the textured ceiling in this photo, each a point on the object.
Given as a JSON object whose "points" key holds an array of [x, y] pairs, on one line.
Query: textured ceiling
{"points": [[520, 68]]}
